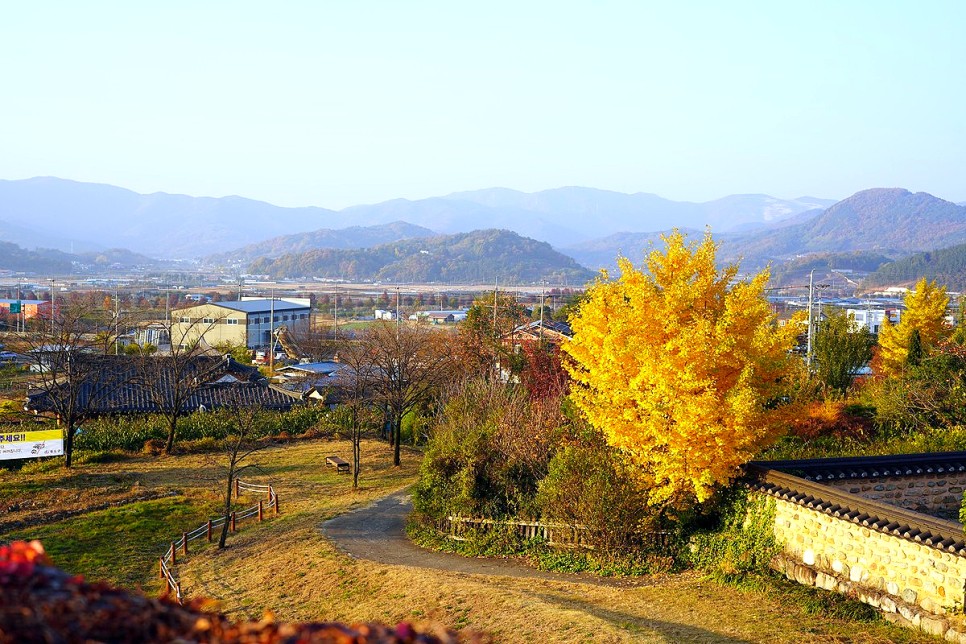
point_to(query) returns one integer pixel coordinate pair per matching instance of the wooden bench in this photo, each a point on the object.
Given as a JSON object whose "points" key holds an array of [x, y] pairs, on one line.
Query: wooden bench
{"points": [[340, 465]]}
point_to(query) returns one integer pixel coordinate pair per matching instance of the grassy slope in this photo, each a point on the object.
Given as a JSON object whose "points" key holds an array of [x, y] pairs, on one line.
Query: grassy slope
{"points": [[287, 566]]}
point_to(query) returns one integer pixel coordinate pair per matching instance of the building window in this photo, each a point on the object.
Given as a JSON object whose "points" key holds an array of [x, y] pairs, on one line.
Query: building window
{"points": [[209, 320], [185, 320], [265, 320], [302, 316], [232, 321], [284, 318], [276, 318]]}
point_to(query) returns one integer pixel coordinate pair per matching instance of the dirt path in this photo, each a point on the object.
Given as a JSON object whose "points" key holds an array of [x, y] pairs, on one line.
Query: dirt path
{"points": [[378, 533]]}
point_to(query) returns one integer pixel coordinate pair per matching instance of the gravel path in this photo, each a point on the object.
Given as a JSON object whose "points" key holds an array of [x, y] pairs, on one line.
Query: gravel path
{"points": [[377, 533]]}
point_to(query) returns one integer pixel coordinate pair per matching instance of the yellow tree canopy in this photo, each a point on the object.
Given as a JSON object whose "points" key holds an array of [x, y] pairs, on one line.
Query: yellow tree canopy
{"points": [[925, 312], [677, 366]]}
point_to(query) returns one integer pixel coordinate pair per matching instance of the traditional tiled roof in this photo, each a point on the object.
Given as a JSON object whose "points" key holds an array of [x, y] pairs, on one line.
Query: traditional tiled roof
{"points": [[537, 327], [116, 386], [827, 469]]}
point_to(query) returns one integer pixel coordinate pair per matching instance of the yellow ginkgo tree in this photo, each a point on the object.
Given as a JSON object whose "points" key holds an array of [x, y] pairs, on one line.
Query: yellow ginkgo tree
{"points": [[925, 315], [681, 367]]}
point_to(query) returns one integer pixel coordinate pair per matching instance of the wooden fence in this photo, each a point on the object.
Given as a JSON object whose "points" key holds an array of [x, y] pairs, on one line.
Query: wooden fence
{"points": [[557, 535], [553, 534], [170, 557]]}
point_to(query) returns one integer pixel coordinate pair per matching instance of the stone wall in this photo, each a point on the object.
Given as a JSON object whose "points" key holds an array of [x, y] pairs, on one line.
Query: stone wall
{"points": [[913, 584], [935, 494]]}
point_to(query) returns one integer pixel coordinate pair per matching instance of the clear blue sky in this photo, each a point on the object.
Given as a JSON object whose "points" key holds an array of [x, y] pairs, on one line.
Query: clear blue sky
{"points": [[338, 103]]}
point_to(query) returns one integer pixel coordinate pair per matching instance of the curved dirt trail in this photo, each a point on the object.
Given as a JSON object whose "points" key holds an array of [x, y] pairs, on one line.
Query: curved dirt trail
{"points": [[378, 533]]}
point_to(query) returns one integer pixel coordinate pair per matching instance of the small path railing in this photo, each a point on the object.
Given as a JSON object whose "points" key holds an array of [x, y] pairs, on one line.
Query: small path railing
{"points": [[170, 557], [553, 534], [557, 535]]}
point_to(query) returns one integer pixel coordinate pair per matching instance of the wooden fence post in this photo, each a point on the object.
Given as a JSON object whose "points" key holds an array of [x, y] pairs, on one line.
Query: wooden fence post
{"points": [[209, 530], [259, 510], [174, 559], [161, 567], [276, 504], [232, 521], [184, 543], [236, 489]]}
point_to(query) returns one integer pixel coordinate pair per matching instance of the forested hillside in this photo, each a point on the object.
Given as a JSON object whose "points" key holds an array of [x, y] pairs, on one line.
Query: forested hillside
{"points": [[945, 266], [481, 257]]}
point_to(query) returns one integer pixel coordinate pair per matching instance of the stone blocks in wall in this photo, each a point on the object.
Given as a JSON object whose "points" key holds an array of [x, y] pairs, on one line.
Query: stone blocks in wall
{"points": [[936, 494], [917, 585]]}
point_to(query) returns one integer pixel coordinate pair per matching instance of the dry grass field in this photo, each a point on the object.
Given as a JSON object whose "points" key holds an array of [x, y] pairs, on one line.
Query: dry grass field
{"points": [[287, 566]]}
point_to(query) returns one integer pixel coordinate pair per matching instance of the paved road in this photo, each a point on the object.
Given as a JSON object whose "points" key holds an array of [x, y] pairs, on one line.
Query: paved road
{"points": [[377, 533]]}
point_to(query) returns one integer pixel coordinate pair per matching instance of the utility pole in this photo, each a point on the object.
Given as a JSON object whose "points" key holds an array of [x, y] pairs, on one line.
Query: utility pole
{"points": [[808, 350], [117, 322], [51, 309], [271, 335], [496, 292]]}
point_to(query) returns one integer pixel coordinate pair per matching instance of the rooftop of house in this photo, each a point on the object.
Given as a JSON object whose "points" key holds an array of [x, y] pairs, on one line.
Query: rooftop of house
{"points": [[117, 385], [542, 326], [314, 368]]}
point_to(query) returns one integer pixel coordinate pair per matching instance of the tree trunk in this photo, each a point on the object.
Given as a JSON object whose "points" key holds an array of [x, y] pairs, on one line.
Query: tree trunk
{"points": [[356, 455], [356, 446], [398, 432], [69, 445], [172, 427], [224, 528]]}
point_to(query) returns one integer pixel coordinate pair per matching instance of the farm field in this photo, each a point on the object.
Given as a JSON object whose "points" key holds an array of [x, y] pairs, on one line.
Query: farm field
{"points": [[287, 565]]}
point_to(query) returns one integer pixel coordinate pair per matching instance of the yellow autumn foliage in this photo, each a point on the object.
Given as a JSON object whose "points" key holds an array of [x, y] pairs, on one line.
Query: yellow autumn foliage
{"points": [[678, 367], [925, 312]]}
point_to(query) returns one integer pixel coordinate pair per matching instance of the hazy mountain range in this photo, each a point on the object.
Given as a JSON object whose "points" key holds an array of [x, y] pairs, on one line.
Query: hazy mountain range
{"points": [[71, 216], [408, 240]]}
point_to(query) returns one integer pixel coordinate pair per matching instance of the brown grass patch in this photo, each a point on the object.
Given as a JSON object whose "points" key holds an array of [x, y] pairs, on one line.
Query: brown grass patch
{"points": [[287, 566]]}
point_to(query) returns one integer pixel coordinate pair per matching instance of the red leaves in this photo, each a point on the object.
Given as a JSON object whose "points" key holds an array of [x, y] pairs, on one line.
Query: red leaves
{"points": [[40, 603]]}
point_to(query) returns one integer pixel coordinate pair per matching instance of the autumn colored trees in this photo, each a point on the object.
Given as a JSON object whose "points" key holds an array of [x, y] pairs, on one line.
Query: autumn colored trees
{"points": [[680, 366], [923, 323]]}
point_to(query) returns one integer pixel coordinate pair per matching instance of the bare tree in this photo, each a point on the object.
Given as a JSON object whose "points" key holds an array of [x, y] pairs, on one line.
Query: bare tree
{"points": [[238, 446], [411, 363], [170, 381], [356, 384], [72, 376]]}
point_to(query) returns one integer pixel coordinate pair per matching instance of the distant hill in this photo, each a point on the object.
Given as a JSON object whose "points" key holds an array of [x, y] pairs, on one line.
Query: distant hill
{"points": [[602, 253], [946, 266], [19, 260], [76, 216], [55, 262], [354, 237], [849, 267], [890, 221], [478, 257]]}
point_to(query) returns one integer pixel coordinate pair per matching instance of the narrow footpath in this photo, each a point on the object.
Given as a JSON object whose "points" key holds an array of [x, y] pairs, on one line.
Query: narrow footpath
{"points": [[378, 533]]}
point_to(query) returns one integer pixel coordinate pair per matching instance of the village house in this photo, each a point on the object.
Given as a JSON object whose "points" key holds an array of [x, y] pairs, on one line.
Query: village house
{"points": [[27, 309]]}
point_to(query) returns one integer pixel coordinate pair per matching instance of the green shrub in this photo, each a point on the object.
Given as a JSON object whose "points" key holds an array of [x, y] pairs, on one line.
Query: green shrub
{"points": [[486, 454], [591, 485], [742, 542]]}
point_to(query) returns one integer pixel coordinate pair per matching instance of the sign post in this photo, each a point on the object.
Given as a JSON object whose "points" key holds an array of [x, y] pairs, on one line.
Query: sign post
{"points": [[31, 444]]}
